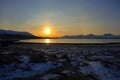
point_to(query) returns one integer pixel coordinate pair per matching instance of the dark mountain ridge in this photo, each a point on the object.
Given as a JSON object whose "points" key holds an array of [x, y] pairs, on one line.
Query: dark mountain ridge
{"points": [[92, 36], [15, 35]]}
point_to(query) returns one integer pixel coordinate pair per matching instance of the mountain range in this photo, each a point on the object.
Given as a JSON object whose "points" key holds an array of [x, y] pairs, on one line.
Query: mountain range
{"points": [[12, 35], [92, 36], [15, 35]]}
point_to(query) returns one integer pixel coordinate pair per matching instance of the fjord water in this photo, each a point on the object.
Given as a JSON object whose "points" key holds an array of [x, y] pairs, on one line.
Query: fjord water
{"points": [[72, 40]]}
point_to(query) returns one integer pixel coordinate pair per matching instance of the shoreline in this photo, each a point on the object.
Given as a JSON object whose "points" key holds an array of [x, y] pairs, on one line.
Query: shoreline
{"points": [[68, 43], [25, 61], [85, 45]]}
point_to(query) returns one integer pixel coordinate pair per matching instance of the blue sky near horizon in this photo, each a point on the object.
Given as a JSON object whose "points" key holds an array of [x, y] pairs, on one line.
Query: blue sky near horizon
{"points": [[64, 17]]}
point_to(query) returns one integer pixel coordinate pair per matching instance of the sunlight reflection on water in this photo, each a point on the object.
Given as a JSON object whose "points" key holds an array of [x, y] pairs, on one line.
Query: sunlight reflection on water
{"points": [[72, 40], [47, 41]]}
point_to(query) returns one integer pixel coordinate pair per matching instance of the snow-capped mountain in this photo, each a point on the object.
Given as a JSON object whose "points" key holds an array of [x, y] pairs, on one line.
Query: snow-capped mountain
{"points": [[92, 36], [3, 32], [9, 34]]}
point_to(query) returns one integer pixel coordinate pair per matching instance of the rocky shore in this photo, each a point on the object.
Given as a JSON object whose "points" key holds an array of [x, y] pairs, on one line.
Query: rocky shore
{"points": [[60, 62]]}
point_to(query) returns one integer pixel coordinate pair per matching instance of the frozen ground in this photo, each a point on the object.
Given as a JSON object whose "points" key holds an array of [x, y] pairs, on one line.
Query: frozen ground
{"points": [[60, 62]]}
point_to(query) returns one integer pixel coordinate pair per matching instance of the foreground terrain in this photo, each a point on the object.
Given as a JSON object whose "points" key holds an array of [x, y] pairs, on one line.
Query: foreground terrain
{"points": [[60, 62]]}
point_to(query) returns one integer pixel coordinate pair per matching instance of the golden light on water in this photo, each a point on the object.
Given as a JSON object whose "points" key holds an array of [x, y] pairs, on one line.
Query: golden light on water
{"points": [[47, 40]]}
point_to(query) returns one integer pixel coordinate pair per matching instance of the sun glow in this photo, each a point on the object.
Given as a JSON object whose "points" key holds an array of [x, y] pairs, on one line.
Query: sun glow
{"points": [[47, 31]]}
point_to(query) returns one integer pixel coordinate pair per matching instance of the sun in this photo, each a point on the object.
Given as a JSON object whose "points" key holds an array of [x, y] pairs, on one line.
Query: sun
{"points": [[47, 31]]}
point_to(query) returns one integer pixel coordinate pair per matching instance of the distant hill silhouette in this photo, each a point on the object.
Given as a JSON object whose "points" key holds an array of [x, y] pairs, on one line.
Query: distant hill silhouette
{"points": [[92, 36], [15, 35]]}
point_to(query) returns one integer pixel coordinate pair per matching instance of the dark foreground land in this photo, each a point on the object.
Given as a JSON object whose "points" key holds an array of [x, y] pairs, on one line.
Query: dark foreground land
{"points": [[22, 61]]}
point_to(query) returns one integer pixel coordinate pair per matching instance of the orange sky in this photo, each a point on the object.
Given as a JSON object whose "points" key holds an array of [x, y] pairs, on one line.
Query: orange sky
{"points": [[62, 17]]}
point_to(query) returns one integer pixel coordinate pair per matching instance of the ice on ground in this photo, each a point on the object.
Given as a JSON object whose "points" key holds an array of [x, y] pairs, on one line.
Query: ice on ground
{"points": [[36, 68], [50, 76], [101, 72], [68, 72], [24, 59], [41, 67], [97, 69], [25, 62], [74, 63], [101, 57], [85, 70], [97, 63], [7, 52]]}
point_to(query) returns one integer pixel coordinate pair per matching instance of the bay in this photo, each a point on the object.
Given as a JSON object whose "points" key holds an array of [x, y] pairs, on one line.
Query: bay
{"points": [[72, 40]]}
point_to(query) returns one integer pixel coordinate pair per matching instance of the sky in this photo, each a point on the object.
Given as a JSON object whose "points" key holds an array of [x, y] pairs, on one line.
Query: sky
{"points": [[62, 17]]}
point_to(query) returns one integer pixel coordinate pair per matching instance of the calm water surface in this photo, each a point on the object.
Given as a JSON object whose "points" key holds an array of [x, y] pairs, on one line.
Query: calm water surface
{"points": [[72, 40]]}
